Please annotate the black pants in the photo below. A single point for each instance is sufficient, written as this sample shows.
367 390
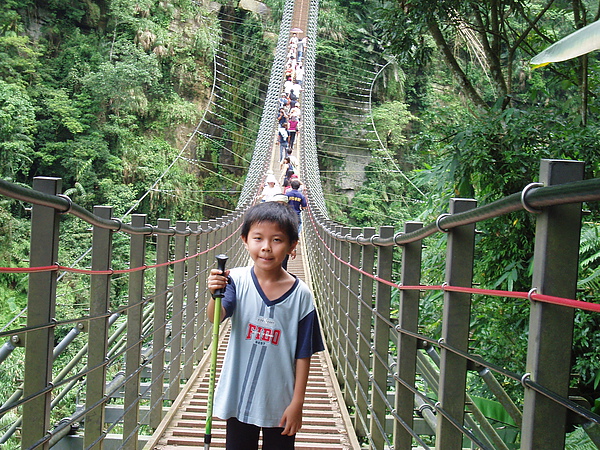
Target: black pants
292 135
243 436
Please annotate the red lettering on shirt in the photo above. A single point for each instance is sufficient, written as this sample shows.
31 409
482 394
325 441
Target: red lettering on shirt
266 336
276 335
263 334
251 328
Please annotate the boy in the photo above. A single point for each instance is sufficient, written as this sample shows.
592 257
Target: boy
274 332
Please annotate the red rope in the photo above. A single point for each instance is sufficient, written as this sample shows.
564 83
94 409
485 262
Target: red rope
29 269
491 292
57 267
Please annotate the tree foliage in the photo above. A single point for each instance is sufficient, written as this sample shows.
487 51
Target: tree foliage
485 120
17 128
106 95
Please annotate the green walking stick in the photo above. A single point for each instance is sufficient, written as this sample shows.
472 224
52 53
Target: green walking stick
218 295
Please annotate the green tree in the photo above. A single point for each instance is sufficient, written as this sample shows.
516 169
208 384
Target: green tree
17 128
124 83
19 60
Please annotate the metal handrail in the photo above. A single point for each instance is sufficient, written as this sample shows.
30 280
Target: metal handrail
538 198
64 205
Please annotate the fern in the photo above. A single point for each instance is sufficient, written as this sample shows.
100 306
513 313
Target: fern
579 440
589 255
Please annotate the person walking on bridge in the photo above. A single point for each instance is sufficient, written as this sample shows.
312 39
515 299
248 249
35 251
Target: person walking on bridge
274 333
271 188
292 131
296 200
283 138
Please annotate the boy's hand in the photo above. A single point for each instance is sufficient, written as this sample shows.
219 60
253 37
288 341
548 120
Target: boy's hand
291 419
217 280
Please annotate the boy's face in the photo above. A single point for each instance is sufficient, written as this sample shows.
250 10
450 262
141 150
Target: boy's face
268 245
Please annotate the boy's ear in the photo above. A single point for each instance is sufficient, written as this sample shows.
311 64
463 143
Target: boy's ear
292 247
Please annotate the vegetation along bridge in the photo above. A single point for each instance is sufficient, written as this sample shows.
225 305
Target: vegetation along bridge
137 375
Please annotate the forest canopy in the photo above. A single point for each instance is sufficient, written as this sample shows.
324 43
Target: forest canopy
478 120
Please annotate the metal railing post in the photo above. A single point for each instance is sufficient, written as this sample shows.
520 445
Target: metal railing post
220 236
365 316
210 264
230 230
41 304
191 314
556 259
203 265
338 332
313 248
135 308
455 328
381 341
328 290
98 329
408 319
344 302
352 319
238 245
177 318
157 393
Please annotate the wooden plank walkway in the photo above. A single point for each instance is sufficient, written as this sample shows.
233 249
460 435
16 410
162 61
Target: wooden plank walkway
327 424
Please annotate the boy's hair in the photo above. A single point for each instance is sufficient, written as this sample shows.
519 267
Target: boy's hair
295 184
278 213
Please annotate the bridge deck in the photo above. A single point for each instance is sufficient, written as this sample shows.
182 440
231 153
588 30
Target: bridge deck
326 421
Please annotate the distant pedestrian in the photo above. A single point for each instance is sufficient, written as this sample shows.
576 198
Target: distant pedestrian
299 75
284 100
294 93
288 85
297 200
271 189
302 43
292 131
295 112
282 117
294 162
288 171
283 138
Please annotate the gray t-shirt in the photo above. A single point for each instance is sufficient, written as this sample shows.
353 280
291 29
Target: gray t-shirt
258 376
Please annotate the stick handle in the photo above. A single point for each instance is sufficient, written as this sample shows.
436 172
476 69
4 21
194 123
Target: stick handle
221 260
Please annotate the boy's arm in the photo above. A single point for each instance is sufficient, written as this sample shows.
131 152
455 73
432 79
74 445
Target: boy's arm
292 416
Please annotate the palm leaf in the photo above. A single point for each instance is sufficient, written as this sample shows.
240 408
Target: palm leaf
582 41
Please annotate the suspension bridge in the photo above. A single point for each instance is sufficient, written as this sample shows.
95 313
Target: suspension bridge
139 374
